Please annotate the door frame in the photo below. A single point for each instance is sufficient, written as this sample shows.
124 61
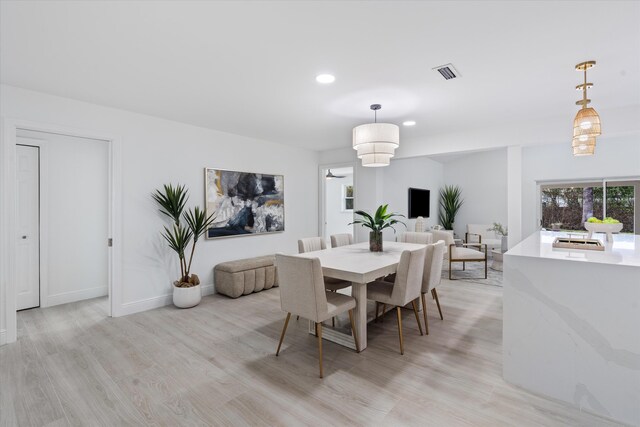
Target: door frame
43 215
8 211
322 191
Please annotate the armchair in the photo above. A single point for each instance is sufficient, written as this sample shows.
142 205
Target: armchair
479 233
463 253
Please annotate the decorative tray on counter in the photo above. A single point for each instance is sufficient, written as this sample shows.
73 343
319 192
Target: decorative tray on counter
578 243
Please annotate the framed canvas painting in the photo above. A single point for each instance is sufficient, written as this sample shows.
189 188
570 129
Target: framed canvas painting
244 203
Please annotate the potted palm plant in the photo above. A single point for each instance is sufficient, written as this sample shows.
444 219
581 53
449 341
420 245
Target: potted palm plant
378 222
187 227
450 203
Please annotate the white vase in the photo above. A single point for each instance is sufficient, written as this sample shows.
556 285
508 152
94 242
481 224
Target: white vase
420 224
187 297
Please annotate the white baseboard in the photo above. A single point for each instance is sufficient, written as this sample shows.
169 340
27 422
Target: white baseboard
3 337
67 297
155 302
207 289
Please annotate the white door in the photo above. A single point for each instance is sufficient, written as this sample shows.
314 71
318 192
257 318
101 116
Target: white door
28 247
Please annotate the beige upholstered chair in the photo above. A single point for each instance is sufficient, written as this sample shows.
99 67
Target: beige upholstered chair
302 293
343 239
463 253
415 237
432 277
405 289
481 233
311 244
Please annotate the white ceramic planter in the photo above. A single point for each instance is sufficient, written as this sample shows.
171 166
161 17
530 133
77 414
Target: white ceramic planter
187 297
594 227
504 244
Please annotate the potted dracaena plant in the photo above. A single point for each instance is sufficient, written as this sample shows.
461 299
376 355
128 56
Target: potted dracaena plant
450 203
376 223
187 227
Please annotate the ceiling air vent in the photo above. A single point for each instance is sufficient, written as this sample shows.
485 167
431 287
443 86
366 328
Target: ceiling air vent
447 71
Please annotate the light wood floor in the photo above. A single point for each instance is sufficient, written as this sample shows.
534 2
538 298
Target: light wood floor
215 365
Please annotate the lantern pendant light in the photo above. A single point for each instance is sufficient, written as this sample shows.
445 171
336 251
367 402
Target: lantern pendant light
376 142
586 125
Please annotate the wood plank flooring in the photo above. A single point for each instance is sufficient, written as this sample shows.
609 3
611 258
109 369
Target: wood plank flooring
215 364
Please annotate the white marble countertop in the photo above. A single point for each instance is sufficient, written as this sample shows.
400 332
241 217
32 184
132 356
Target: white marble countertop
624 250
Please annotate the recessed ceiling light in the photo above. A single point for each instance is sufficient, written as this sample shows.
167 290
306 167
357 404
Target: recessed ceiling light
409 123
325 78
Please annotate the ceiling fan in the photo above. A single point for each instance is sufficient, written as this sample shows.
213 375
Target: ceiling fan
331 175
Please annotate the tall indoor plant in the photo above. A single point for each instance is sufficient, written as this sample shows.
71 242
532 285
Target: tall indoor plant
450 203
187 227
376 223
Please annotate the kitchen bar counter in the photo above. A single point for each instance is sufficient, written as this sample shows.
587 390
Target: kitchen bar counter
571 323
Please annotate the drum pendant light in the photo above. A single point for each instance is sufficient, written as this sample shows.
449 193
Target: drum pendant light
376 142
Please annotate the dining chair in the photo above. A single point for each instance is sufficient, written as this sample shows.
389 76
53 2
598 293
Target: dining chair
423 238
432 277
406 288
302 293
343 239
311 244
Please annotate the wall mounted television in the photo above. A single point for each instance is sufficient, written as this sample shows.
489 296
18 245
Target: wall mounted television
419 202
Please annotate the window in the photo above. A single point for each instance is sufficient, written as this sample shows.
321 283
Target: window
347 197
568 206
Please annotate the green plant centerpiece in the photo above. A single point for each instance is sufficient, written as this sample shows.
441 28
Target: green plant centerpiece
188 225
376 223
450 203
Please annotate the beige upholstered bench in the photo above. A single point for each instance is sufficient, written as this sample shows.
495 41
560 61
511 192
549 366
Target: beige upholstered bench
245 276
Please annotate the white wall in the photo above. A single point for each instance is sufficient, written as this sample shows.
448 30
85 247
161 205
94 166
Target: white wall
76 184
337 219
419 172
619 157
482 176
390 184
157 151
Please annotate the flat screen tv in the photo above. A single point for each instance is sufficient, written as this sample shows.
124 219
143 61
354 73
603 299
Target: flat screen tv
419 202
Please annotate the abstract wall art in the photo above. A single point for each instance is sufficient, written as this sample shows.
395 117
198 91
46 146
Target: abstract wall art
244 203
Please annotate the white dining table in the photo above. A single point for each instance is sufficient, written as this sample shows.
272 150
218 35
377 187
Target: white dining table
356 264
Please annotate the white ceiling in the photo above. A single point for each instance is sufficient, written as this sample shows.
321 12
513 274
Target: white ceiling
249 67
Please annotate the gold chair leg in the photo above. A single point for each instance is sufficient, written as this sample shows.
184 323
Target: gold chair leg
284 329
435 296
400 329
449 268
319 334
353 330
424 313
415 311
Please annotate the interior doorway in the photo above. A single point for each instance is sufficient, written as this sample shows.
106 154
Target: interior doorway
28 239
337 200
63 219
